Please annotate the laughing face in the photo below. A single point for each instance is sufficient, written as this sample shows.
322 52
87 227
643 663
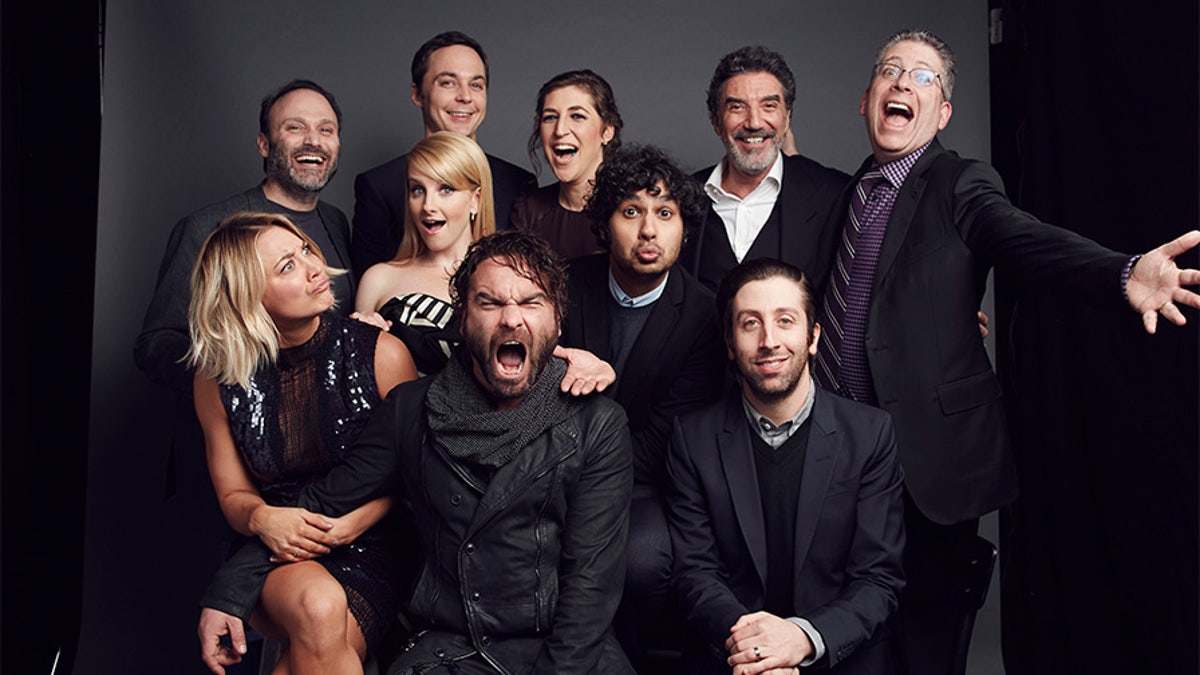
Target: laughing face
770 342
441 212
302 151
453 94
901 115
646 233
752 120
510 329
573 134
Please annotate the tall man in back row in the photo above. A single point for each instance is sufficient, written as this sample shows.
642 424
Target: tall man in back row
763 204
450 78
920 229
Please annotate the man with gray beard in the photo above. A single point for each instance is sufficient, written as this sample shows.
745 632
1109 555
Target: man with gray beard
764 204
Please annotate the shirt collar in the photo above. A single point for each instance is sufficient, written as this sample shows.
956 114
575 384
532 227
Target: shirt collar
712 186
896 171
772 434
623 299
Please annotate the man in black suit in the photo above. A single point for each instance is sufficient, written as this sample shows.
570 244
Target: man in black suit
922 227
640 311
450 78
764 204
786 507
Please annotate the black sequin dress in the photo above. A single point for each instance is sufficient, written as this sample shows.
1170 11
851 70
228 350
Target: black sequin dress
294 423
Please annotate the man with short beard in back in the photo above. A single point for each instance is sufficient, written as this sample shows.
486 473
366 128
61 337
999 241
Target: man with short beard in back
298 139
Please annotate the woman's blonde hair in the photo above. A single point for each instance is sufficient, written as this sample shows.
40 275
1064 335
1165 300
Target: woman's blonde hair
458 162
232 333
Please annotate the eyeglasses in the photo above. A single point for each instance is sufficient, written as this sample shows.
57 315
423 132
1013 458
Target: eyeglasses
922 77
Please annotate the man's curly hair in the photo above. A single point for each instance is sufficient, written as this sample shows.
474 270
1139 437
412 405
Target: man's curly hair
642 167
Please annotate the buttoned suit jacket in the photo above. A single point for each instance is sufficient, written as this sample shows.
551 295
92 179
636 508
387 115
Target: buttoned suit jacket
849 527
808 193
676 364
381 197
951 223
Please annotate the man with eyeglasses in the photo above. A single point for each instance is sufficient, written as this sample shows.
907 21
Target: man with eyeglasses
763 204
922 227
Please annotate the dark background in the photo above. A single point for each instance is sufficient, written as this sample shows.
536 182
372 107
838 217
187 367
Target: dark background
1091 117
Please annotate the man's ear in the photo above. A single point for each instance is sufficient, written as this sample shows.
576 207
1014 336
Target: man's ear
264 145
944 115
416 96
814 339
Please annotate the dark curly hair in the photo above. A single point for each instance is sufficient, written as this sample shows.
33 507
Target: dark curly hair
761 269
602 98
526 254
642 167
750 60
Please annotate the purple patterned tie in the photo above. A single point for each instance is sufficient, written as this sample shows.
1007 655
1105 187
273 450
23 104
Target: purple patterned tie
841 363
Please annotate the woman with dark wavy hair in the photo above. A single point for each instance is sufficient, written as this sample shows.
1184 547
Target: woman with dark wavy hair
576 126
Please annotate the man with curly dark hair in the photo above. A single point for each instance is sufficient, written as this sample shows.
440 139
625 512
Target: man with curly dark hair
639 310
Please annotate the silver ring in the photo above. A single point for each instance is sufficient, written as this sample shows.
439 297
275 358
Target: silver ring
757 654
1164 305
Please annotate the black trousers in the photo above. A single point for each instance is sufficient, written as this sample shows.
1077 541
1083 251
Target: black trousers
929 618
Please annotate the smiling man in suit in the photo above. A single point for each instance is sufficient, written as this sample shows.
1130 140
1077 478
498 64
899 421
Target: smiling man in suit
450 78
762 203
920 229
786 508
637 309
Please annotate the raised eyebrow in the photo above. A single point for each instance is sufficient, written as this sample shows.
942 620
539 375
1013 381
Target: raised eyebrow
284 258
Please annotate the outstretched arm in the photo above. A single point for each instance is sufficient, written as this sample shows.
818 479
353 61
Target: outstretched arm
1156 284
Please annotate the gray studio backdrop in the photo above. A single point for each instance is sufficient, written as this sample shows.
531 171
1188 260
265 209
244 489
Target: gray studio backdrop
182 84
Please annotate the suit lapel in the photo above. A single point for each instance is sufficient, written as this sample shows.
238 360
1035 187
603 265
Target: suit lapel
737 460
796 205
903 211
594 314
824 444
645 353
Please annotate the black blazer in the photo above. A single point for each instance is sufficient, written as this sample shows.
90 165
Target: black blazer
808 193
381 196
849 527
677 363
950 224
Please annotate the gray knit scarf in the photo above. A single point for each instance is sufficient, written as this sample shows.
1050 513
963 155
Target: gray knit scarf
464 420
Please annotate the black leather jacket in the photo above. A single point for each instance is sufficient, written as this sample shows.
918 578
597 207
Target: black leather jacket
526 567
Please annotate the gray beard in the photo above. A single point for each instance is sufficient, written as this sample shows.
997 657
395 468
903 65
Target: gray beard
745 164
